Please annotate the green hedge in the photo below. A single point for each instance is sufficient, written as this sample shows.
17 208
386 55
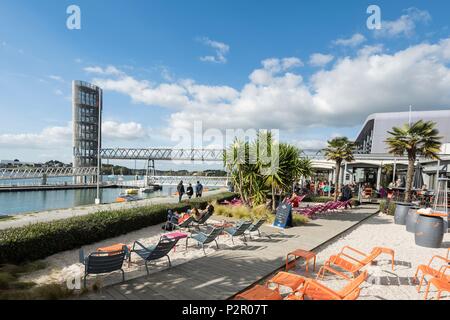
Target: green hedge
40 240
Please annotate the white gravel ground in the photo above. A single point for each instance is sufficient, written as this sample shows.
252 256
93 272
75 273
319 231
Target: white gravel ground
383 283
65 265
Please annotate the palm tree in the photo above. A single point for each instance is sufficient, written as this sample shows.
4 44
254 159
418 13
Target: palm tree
417 139
256 176
339 150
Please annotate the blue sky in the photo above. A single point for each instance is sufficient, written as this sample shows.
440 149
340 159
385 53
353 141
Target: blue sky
311 69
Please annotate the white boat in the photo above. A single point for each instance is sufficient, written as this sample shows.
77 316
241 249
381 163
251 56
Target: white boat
146 190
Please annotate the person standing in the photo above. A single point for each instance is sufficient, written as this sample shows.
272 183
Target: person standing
180 190
198 190
190 191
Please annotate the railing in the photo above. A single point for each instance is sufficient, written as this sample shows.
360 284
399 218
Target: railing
39 173
163 154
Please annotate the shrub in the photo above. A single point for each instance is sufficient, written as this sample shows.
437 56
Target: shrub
299 220
391 208
383 206
40 240
244 212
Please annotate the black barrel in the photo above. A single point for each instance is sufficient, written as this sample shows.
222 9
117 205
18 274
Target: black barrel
401 211
411 219
429 231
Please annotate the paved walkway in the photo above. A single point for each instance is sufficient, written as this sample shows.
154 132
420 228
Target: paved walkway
229 271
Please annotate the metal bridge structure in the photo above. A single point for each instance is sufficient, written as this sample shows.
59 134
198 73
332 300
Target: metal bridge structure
163 154
49 172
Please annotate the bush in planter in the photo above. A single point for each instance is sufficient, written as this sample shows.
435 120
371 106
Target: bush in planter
391 208
383 206
40 240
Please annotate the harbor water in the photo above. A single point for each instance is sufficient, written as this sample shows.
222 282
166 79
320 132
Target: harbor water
19 202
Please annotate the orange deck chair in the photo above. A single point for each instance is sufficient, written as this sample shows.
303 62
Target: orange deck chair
429 270
442 284
352 264
316 291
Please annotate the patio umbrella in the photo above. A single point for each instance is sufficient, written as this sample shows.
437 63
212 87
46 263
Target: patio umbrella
418 178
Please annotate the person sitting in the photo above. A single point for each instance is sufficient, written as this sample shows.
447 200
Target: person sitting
196 214
172 218
295 200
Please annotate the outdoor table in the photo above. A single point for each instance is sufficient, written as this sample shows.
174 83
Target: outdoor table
287 280
259 292
176 235
114 248
299 253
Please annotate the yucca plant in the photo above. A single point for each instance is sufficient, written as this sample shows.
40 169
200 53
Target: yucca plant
339 150
418 139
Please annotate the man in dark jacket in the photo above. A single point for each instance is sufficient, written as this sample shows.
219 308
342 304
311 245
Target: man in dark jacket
198 190
180 190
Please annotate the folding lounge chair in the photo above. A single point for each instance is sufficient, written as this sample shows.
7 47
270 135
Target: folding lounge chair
239 230
148 254
186 224
256 226
316 291
203 238
351 264
103 262
429 270
203 220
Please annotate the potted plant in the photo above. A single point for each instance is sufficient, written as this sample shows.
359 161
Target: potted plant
417 139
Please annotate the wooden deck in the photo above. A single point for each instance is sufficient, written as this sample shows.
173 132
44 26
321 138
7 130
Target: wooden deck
222 275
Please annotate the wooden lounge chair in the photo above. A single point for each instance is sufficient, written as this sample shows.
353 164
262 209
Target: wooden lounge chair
429 270
442 284
103 262
239 230
148 254
351 264
314 290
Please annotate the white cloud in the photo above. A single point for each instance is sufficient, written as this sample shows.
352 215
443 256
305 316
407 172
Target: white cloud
276 97
354 41
314 144
48 138
61 136
58 92
320 60
123 131
109 70
405 25
56 78
221 50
